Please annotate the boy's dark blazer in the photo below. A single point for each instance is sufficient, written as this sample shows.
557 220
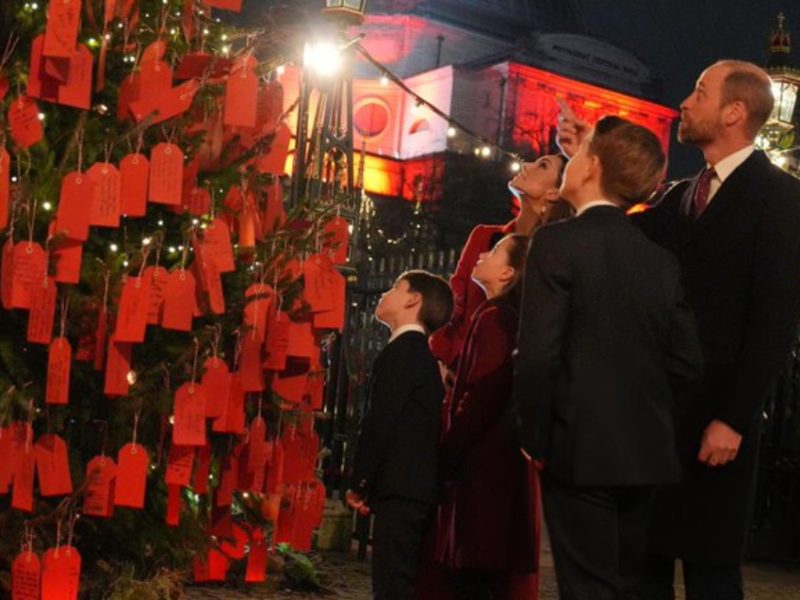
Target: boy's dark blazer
604 338
398 446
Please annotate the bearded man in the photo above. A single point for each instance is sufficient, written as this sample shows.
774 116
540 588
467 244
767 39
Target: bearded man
735 228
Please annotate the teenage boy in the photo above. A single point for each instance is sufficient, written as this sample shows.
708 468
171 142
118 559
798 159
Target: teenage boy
604 338
395 472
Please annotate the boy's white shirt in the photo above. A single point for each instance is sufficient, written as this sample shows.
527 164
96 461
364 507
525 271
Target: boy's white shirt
404 329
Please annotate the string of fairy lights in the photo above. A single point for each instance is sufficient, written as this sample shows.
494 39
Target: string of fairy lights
485 148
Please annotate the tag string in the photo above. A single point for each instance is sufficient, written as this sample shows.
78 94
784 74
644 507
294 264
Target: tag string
135 428
32 222
79 141
64 309
194 364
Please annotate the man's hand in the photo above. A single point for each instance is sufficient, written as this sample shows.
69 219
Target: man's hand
571 130
356 502
720 444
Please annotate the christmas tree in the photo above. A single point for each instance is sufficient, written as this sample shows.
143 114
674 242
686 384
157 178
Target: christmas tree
162 314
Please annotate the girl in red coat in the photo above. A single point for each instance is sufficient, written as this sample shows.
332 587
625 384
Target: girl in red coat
487 529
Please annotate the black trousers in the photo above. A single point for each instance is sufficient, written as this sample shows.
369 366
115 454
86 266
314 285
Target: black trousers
474 584
702 582
598 537
396 542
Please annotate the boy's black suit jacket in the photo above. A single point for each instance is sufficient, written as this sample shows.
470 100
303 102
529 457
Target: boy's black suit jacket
398 446
604 339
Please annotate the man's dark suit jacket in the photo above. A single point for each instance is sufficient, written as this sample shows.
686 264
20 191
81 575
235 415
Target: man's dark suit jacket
741 272
604 337
398 446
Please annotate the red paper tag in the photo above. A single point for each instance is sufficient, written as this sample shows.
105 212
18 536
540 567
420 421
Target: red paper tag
66 256
134 171
22 496
179 465
216 293
166 174
232 5
179 301
61 571
59 362
337 234
290 387
166 105
241 93
118 366
29 271
236 547
217 246
7 275
274 161
134 303
251 371
301 340
277 342
216 382
4 86
158 277
316 278
23 118
5 186
232 420
101 474
77 91
174 502
274 214
72 220
199 202
131 481
128 93
334 318
42 312
26 571
105 181
190 416
52 466
61 34
256 311
201 473
256 571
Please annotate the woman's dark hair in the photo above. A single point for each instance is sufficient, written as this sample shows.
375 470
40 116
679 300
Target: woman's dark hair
632 158
517 249
437 297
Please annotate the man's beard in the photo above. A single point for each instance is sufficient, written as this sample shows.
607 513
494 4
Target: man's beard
698 132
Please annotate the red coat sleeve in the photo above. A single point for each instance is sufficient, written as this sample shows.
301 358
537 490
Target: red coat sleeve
446 343
485 396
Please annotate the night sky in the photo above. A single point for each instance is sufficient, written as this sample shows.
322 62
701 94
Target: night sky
679 38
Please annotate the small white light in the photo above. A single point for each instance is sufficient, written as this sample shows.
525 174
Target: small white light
226 50
451 131
245 495
172 419
350 228
172 250
146 241
160 223
203 225
34 6
224 37
47 206
113 247
173 31
131 377
107 36
515 167
486 151
384 80
180 248
280 70
13 179
125 263
195 221
41 116
206 32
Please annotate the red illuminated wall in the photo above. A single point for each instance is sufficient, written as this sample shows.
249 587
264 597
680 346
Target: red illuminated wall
533 111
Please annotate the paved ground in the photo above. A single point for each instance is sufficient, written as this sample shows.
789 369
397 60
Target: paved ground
348 579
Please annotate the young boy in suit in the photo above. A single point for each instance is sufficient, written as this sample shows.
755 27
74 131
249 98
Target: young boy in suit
395 473
605 338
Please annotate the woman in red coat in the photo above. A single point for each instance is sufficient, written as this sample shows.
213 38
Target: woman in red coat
487 529
535 188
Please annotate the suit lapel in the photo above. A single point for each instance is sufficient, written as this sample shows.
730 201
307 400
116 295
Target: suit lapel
730 191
